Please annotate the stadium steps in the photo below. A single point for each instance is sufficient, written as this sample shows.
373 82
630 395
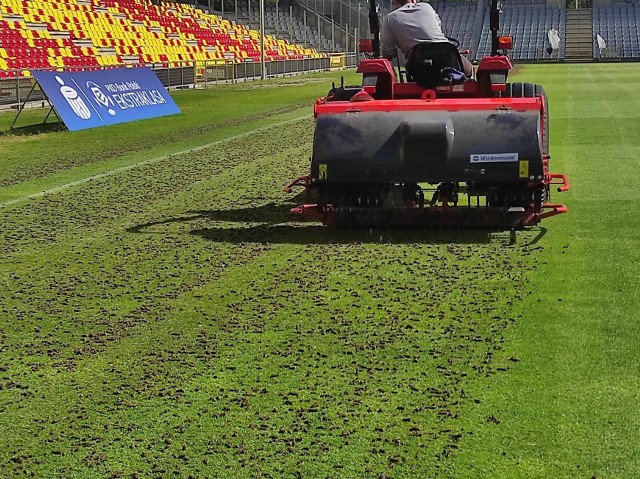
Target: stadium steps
579 36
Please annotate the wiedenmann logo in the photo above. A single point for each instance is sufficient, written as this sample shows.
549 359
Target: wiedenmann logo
495 158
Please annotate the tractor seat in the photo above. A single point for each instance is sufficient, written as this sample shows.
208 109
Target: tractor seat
427 60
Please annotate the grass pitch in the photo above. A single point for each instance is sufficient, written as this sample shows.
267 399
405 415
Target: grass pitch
162 316
569 407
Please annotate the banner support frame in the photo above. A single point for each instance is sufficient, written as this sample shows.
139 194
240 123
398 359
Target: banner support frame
22 105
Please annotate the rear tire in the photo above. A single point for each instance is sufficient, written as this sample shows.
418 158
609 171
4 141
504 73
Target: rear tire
539 92
530 90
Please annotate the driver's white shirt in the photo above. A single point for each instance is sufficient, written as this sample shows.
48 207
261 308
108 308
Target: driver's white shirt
409 25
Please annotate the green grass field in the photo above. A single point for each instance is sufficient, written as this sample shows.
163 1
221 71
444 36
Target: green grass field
163 316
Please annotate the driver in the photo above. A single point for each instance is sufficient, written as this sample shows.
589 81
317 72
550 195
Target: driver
410 23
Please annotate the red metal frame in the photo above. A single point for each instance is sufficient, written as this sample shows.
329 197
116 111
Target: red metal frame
303 180
483 216
459 104
553 209
494 63
513 218
565 181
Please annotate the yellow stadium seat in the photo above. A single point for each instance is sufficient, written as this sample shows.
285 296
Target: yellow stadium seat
183 22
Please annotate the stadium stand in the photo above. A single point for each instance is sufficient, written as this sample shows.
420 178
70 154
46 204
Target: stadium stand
457 20
617 24
528 22
80 34
281 22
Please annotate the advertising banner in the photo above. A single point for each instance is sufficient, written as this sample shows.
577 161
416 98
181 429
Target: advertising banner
88 99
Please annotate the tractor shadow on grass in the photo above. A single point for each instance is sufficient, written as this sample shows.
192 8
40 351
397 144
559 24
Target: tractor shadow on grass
273 223
317 234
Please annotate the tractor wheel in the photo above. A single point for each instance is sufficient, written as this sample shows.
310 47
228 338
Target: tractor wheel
529 90
521 90
539 91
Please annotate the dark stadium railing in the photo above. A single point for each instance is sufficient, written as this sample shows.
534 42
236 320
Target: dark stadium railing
17 90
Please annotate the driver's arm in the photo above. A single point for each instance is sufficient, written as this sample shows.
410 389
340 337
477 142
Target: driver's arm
387 44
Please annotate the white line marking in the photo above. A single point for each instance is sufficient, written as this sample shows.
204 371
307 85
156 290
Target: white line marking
145 162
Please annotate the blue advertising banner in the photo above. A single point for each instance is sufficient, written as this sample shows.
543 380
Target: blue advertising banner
89 99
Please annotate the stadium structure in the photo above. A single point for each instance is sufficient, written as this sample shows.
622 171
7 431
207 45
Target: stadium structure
221 40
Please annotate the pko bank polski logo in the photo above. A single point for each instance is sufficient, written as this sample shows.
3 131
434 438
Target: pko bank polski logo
112 97
119 96
101 98
93 98
129 95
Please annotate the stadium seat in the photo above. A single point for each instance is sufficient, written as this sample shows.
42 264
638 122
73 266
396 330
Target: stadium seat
527 21
618 25
133 27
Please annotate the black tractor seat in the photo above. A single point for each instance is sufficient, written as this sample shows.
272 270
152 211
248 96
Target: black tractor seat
427 60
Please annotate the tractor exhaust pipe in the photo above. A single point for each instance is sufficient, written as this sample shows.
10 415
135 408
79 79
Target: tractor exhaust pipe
374 28
494 25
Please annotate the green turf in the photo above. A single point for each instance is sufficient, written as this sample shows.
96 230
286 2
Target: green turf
208 115
569 407
170 320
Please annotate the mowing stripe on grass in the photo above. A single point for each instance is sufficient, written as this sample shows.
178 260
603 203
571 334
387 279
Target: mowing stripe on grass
122 169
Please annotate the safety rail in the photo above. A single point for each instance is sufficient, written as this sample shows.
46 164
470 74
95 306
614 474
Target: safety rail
16 85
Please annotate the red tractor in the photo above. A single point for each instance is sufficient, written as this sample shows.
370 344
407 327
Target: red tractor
432 151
